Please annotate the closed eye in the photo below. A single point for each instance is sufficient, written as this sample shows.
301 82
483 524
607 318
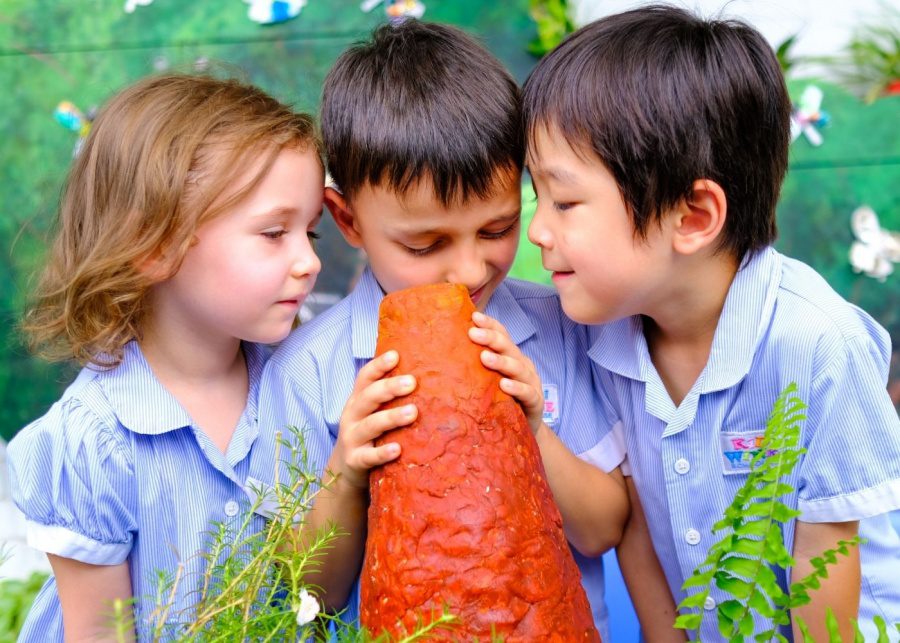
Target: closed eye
501 233
418 252
274 233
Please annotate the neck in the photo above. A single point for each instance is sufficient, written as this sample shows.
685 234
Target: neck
205 372
189 361
681 329
179 352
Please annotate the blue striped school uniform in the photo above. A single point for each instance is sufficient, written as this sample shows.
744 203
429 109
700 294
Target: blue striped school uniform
117 471
781 323
309 379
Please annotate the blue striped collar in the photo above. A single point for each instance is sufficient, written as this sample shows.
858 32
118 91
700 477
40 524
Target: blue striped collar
143 405
367 295
620 346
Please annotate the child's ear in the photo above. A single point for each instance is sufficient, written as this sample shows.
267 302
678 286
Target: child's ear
157 266
343 216
700 218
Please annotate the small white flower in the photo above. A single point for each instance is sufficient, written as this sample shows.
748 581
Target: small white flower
307 608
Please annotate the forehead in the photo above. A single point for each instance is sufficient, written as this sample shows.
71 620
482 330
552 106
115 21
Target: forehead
420 208
548 146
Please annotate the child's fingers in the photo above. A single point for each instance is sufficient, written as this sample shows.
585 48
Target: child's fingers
377 423
497 341
368 457
365 402
376 369
531 399
524 393
511 367
488 323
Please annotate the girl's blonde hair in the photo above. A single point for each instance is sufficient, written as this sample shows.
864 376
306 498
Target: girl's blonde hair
154 167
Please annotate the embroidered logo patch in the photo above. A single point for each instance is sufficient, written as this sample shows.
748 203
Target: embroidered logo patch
551 404
739 449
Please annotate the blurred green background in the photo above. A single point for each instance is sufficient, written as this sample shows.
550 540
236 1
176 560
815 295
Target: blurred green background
84 50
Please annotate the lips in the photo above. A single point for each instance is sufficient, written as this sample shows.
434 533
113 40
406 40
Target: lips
559 275
293 301
476 294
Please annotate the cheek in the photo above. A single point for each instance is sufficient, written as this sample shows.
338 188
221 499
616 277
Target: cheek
504 252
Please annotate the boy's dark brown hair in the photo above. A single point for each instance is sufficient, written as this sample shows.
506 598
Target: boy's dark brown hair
421 101
664 98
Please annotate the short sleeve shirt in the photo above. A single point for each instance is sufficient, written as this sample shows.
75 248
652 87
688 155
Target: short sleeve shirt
117 471
781 323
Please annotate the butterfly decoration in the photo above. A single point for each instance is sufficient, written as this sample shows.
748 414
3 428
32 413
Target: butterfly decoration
271 12
396 9
807 116
131 5
72 118
875 250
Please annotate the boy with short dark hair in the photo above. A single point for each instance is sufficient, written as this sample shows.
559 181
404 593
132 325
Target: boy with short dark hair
657 145
422 130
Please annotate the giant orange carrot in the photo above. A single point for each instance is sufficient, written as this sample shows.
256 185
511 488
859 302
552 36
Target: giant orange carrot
464 518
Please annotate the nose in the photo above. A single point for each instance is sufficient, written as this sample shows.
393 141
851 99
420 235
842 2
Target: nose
306 261
538 233
468 267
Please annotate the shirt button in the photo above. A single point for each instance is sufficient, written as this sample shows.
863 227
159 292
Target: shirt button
231 508
709 603
692 537
682 466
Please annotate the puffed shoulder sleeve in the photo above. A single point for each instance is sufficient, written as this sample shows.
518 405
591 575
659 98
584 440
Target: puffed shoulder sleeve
852 465
72 477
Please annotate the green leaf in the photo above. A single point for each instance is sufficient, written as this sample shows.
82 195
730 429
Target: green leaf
726 625
694 600
882 629
783 513
831 624
688 621
741 566
699 580
734 586
748 547
805 635
759 603
732 609
754 528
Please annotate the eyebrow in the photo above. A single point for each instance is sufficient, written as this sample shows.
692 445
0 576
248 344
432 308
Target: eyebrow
555 173
277 211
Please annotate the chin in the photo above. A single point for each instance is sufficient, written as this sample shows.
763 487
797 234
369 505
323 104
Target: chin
580 314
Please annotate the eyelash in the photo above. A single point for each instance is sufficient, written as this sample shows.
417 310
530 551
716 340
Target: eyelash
562 207
277 234
490 236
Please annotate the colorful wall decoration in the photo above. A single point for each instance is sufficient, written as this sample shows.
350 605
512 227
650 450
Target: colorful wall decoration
59 61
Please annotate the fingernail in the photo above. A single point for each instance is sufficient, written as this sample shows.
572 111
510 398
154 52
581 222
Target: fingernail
477 333
488 357
408 411
391 356
477 316
407 381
